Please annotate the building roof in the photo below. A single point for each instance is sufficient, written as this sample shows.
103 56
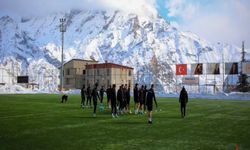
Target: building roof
106 65
78 60
81 60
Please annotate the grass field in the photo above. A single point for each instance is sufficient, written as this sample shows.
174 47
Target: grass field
41 122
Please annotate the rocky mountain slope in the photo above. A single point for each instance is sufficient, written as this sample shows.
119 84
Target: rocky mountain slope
149 44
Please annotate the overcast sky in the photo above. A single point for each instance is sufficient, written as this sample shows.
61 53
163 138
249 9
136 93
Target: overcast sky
214 20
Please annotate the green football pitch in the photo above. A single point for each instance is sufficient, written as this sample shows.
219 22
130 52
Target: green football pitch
40 121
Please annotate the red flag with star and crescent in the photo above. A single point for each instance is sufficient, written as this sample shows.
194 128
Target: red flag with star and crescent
181 69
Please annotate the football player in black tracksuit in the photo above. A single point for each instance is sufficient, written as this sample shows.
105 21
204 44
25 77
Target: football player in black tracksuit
95 96
183 100
101 98
128 99
150 98
136 100
144 97
141 99
101 94
124 99
108 91
120 98
88 96
113 101
83 92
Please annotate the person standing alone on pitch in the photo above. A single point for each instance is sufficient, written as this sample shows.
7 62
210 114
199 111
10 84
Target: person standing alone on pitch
150 98
95 96
183 100
83 92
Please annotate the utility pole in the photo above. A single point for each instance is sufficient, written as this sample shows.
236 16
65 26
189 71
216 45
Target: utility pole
243 57
62 30
243 52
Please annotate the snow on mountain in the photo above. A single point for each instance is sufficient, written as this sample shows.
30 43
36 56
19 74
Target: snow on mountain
31 46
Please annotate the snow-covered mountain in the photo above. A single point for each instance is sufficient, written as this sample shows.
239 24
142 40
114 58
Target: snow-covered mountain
148 43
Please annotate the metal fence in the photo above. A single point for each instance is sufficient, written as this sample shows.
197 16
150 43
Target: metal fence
48 79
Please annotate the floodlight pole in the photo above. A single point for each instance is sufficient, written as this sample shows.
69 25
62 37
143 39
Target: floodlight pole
223 65
62 30
199 52
243 56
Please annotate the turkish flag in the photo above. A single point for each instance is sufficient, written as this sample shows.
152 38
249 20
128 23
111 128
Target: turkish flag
181 69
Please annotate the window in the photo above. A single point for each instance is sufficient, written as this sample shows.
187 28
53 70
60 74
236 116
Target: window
83 72
98 72
108 82
129 73
67 80
108 72
68 72
129 82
